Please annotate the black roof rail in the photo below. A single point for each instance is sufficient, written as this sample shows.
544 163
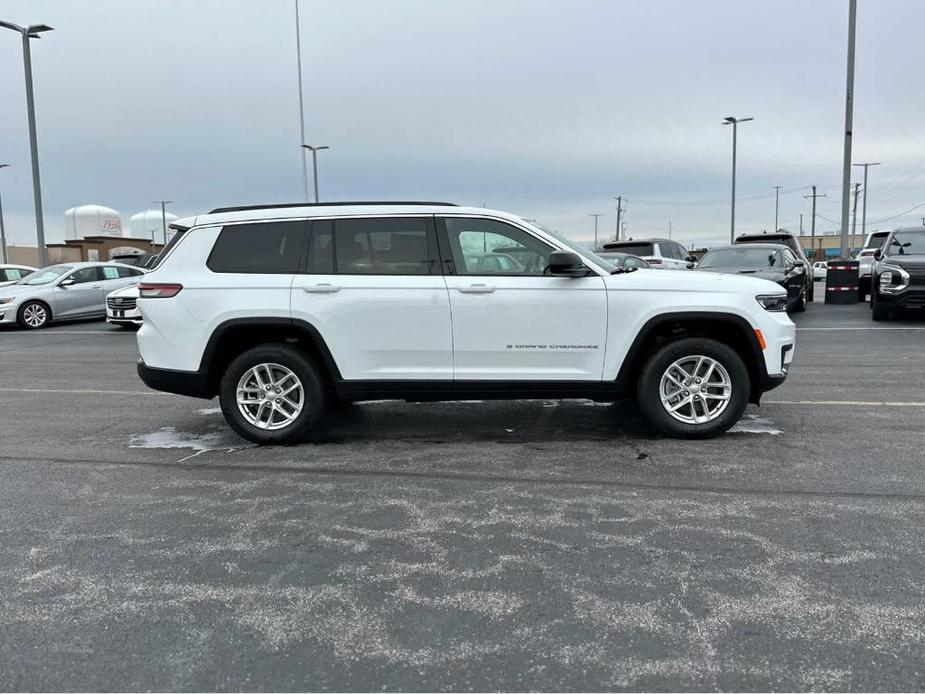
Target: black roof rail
340 203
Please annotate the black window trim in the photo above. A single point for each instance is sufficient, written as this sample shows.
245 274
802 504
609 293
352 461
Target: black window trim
430 237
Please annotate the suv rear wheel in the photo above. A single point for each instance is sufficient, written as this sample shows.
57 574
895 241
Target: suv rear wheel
694 388
272 394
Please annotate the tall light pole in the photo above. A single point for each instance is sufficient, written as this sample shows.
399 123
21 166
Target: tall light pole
298 57
163 204
864 213
776 205
619 200
3 258
33 31
596 216
314 149
734 122
849 119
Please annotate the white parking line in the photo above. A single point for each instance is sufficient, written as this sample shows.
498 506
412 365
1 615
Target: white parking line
897 327
81 391
848 403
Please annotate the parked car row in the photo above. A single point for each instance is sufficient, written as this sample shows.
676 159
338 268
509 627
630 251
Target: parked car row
66 291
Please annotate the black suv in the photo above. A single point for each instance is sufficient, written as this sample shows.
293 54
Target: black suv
898 279
790 241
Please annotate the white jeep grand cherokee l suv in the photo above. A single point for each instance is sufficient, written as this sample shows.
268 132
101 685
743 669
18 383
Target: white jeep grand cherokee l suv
281 310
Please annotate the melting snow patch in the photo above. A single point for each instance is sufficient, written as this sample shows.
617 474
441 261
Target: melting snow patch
168 437
753 424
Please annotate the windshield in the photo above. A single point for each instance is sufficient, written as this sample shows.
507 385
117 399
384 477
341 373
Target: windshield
580 250
46 276
758 258
907 243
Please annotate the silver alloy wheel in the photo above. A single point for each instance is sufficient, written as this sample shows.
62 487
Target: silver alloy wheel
270 396
695 389
35 315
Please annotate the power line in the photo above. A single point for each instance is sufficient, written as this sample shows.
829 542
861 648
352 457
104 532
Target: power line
761 196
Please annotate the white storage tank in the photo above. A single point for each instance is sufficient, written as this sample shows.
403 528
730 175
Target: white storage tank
149 224
91 220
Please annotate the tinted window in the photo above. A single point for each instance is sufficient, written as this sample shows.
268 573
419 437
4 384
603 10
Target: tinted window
128 272
489 247
635 262
321 248
386 246
634 248
264 248
85 274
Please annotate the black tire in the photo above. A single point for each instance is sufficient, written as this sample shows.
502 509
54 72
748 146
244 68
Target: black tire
879 312
314 400
35 308
648 393
812 291
799 306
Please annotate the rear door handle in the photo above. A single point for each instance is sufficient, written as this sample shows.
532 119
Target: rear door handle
477 289
321 288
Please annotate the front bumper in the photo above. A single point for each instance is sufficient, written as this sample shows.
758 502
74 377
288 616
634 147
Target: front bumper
131 316
911 297
8 313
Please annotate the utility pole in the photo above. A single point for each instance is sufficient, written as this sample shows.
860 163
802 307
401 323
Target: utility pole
163 204
3 258
596 216
854 223
619 200
812 243
669 230
298 57
801 223
849 119
776 205
734 122
864 213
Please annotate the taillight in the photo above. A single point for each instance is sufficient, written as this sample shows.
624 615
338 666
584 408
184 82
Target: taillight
158 291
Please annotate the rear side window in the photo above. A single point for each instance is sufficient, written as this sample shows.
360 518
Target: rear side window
128 272
262 248
385 246
110 273
634 249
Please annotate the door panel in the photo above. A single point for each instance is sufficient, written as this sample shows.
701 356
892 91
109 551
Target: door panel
85 297
372 290
510 320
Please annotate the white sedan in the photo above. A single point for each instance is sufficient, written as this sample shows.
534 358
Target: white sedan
122 308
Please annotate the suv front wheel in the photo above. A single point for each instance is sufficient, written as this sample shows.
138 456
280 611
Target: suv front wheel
694 388
272 394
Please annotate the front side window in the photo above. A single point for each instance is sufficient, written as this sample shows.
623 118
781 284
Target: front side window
258 248
490 247
377 246
85 274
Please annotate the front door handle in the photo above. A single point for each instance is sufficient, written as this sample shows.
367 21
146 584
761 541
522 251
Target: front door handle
321 288
97 286
477 289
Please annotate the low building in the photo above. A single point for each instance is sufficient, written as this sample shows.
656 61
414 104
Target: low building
826 245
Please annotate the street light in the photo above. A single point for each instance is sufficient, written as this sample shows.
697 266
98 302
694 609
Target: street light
33 31
3 258
314 149
734 122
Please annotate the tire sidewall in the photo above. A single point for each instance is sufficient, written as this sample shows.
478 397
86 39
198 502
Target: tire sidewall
20 317
303 368
650 379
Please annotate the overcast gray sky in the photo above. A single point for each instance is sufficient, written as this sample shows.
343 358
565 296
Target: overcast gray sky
548 108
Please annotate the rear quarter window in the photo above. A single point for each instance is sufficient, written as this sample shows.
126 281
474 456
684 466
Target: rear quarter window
258 248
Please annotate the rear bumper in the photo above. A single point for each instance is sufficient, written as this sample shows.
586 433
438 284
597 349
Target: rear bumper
190 383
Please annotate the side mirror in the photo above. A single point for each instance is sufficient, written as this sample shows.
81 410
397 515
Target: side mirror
877 254
66 283
691 259
566 264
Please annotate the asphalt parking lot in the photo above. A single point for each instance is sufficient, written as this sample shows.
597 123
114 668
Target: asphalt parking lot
472 546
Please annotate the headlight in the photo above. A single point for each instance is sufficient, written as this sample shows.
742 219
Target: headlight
6 300
892 279
772 302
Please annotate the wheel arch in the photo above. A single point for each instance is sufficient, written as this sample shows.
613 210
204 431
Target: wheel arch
36 300
237 335
728 328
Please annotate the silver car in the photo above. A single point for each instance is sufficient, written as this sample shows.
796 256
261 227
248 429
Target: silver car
63 292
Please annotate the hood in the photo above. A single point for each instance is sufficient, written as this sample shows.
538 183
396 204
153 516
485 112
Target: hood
131 291
907 262
709 282
23 289
765 274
